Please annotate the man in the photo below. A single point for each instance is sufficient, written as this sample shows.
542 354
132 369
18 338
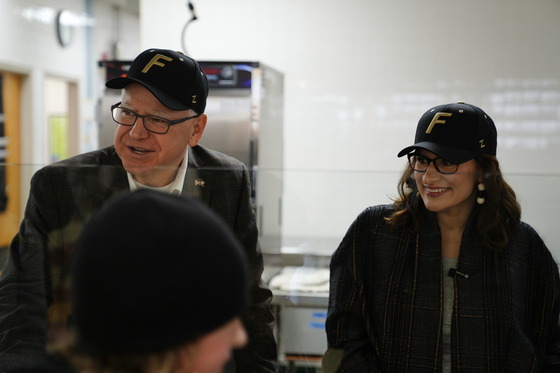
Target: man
160 122
159 303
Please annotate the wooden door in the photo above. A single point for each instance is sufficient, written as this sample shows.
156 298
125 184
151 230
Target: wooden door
10 215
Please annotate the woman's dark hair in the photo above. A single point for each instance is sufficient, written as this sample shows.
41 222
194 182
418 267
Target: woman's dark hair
495 220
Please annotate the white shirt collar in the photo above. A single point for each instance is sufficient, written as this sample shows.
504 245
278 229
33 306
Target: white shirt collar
175 187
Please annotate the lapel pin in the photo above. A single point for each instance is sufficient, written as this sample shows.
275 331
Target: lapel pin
199 182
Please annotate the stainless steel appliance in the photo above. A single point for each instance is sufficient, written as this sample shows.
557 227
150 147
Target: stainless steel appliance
245 110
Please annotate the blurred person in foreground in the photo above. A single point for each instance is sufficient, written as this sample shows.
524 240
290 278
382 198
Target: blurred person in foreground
447 278
148 294
159 122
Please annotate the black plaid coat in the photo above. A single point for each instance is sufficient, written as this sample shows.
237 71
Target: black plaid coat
386 302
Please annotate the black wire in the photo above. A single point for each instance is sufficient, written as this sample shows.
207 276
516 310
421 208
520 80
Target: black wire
193 18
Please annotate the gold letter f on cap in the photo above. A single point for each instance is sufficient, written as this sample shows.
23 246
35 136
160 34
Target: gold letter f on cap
155 61
436 120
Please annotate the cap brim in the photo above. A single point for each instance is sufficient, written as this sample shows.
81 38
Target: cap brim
450 154
167 100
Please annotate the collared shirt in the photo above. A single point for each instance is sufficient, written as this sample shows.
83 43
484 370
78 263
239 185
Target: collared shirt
175 187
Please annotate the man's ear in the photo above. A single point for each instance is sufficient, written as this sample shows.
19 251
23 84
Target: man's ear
200 124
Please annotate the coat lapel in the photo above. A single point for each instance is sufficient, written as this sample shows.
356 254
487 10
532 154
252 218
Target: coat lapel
198 182
113 178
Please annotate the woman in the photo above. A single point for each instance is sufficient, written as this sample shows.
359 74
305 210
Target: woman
447 278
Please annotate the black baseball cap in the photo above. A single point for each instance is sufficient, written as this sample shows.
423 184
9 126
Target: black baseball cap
175 79
456 132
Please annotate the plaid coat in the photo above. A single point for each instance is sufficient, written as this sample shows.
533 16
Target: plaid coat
386 302
34 285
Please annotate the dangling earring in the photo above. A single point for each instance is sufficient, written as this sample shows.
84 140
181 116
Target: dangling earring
408 189
480 198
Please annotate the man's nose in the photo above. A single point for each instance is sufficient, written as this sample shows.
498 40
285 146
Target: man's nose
138 130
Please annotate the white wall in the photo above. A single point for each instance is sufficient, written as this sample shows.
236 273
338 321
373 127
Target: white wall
358 75
29 47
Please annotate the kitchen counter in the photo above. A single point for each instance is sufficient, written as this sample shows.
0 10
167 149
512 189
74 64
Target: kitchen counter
299 298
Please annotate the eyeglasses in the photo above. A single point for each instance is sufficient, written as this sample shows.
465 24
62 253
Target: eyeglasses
420 164
152 123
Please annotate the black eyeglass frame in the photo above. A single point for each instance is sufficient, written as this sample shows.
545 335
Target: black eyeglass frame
433 161
170 122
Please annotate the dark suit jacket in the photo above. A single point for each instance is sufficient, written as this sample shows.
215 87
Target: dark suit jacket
34 285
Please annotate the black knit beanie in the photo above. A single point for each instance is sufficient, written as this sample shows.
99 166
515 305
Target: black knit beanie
153 271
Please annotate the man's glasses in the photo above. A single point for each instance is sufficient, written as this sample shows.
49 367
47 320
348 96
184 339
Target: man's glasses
152 123
420 164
